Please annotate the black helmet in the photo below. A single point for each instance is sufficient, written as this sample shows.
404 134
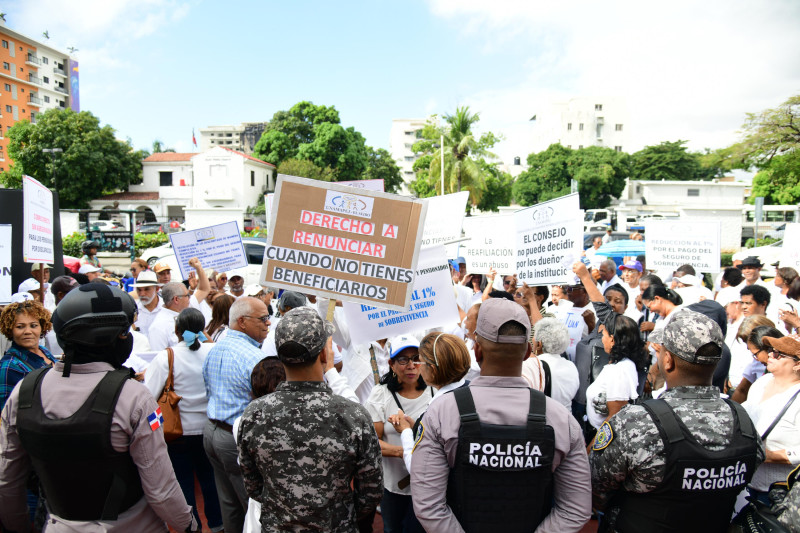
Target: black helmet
88 323
86 245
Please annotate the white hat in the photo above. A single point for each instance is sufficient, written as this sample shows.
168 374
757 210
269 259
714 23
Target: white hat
21 297
29 284
146 278
252 290
236 272
728 295
87 269
689 280
37 266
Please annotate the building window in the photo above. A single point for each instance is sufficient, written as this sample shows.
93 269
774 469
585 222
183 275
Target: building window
6 66
569 146
618 127
46 79
8 109
618 148
46 99
580 126
599 129
7 87
598 107
569 126
252 178
580 147
5 44
165 179
692 192
45 61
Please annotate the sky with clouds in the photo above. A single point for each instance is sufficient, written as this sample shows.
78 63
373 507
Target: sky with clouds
155 69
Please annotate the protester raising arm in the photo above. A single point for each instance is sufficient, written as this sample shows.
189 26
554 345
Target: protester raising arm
202 286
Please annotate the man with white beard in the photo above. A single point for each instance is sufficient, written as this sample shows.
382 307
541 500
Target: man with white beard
149 304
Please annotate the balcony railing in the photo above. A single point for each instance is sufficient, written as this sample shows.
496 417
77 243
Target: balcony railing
34 79
59 71
33 100
33 59
61 89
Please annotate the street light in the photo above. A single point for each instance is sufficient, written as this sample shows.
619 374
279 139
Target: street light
53 152
442 158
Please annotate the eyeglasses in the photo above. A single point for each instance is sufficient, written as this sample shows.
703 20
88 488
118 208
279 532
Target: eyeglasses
755 354
404 361
506 282
576 288
263 319
780 355
519 295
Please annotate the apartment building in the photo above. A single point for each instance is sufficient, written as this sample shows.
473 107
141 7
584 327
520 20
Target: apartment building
404 133
580 123
242 138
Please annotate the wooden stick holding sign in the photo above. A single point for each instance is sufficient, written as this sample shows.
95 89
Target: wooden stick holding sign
38 275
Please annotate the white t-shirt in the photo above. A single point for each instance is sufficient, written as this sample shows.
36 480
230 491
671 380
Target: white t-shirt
201 306
162 331
189 384
618 381
380 405
564 379
144 317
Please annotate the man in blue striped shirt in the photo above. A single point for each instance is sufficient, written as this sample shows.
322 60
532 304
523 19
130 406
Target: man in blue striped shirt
226 372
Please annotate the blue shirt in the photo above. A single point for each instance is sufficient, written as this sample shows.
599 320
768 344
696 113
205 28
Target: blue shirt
226 371
15 365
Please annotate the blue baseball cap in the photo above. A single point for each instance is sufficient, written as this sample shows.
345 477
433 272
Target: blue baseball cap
402 342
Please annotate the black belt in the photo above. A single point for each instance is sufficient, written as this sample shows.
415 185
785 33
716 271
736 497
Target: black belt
222 425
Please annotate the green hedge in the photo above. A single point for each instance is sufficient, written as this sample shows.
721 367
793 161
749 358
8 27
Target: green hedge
143 241
72 244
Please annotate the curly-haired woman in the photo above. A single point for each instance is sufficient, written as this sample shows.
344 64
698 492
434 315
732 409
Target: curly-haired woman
26 324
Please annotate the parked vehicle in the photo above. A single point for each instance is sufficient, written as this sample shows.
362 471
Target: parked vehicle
253 249
588 237
776 233
151 255
151 227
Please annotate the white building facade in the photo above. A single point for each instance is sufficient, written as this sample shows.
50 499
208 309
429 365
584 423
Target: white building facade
242 138
580 123
200 189
404 133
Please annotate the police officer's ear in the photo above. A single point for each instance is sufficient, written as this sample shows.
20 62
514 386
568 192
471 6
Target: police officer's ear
478 353
666 361
528 350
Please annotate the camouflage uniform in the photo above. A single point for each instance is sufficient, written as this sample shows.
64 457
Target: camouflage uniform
302 446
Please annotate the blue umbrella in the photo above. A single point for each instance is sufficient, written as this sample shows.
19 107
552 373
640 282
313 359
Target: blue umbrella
621 248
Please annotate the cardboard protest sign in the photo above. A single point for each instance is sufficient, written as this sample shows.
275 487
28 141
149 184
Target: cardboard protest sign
218 247
790 257
433 304
491 245
336 242
6 289
444 218
672 243
546 233
38 222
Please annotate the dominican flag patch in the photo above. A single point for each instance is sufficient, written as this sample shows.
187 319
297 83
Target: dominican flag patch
156 419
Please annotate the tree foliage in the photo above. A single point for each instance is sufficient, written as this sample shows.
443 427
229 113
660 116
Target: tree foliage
779 182
381 166
314 133
306 169
669 161
498 187
93 161
600 173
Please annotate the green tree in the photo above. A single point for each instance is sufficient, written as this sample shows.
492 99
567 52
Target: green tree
667 161
498 187
274 147
382 166
158 147
289 129
306 169
341 149
93 161
779 181
600 173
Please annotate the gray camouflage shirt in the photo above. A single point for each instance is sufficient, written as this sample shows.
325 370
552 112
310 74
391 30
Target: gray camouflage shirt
299 448
635 460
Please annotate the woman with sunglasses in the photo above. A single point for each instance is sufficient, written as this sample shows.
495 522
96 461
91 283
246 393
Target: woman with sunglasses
755 365
402 387
773 406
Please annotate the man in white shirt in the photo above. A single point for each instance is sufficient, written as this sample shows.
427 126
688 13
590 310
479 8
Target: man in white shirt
751 271
236 284
580 318
149 303
597 242
631 274
162 331
164 273
608 273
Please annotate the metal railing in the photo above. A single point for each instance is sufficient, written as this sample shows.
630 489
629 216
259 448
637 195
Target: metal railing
61 89
33 78
34 100
59 71
33 58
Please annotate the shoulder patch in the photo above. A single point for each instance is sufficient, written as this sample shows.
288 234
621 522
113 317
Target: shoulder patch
603 438
421 431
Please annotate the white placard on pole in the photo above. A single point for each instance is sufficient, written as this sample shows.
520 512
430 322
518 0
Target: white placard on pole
219 247
790 257
672 243
491 245
6 290
433 304
444 218
546 233
37 239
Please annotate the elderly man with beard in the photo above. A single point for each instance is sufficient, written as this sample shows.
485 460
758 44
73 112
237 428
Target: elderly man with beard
149 304
236 284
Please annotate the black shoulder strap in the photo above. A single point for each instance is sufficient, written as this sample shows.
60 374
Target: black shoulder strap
466 409
536 410
109 390
743 420
547 380
30 383
397 401
780 415
666 420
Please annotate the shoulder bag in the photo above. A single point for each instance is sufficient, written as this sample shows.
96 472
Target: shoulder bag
168 402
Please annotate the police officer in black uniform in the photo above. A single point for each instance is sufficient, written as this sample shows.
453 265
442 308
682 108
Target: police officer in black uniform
499 456
92 435
676 463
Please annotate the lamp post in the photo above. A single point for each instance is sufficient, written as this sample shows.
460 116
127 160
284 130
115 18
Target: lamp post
442 158
53 152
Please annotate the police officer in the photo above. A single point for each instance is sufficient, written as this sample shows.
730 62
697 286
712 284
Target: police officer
92 435
676 463
498 455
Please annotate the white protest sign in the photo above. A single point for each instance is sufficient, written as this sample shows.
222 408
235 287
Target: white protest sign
37 239
491 244
218 247
6 289
672 243
369 185
545 234
343 243
790 257
433 304
573 319
268 199
444 218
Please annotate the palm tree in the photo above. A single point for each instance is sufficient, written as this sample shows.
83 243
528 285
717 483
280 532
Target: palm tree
460 170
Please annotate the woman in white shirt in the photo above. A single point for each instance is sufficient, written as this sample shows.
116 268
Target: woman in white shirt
765 404
186 452
551 339
401 388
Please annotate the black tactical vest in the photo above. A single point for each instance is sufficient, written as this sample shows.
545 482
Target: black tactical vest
699 487
502 477
83 477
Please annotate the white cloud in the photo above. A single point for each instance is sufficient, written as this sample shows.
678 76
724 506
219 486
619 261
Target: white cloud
686 70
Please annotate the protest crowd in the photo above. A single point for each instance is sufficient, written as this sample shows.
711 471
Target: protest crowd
643 400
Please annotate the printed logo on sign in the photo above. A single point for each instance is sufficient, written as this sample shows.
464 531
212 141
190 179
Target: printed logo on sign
715 478
543 214
348 204
206 234
505 456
